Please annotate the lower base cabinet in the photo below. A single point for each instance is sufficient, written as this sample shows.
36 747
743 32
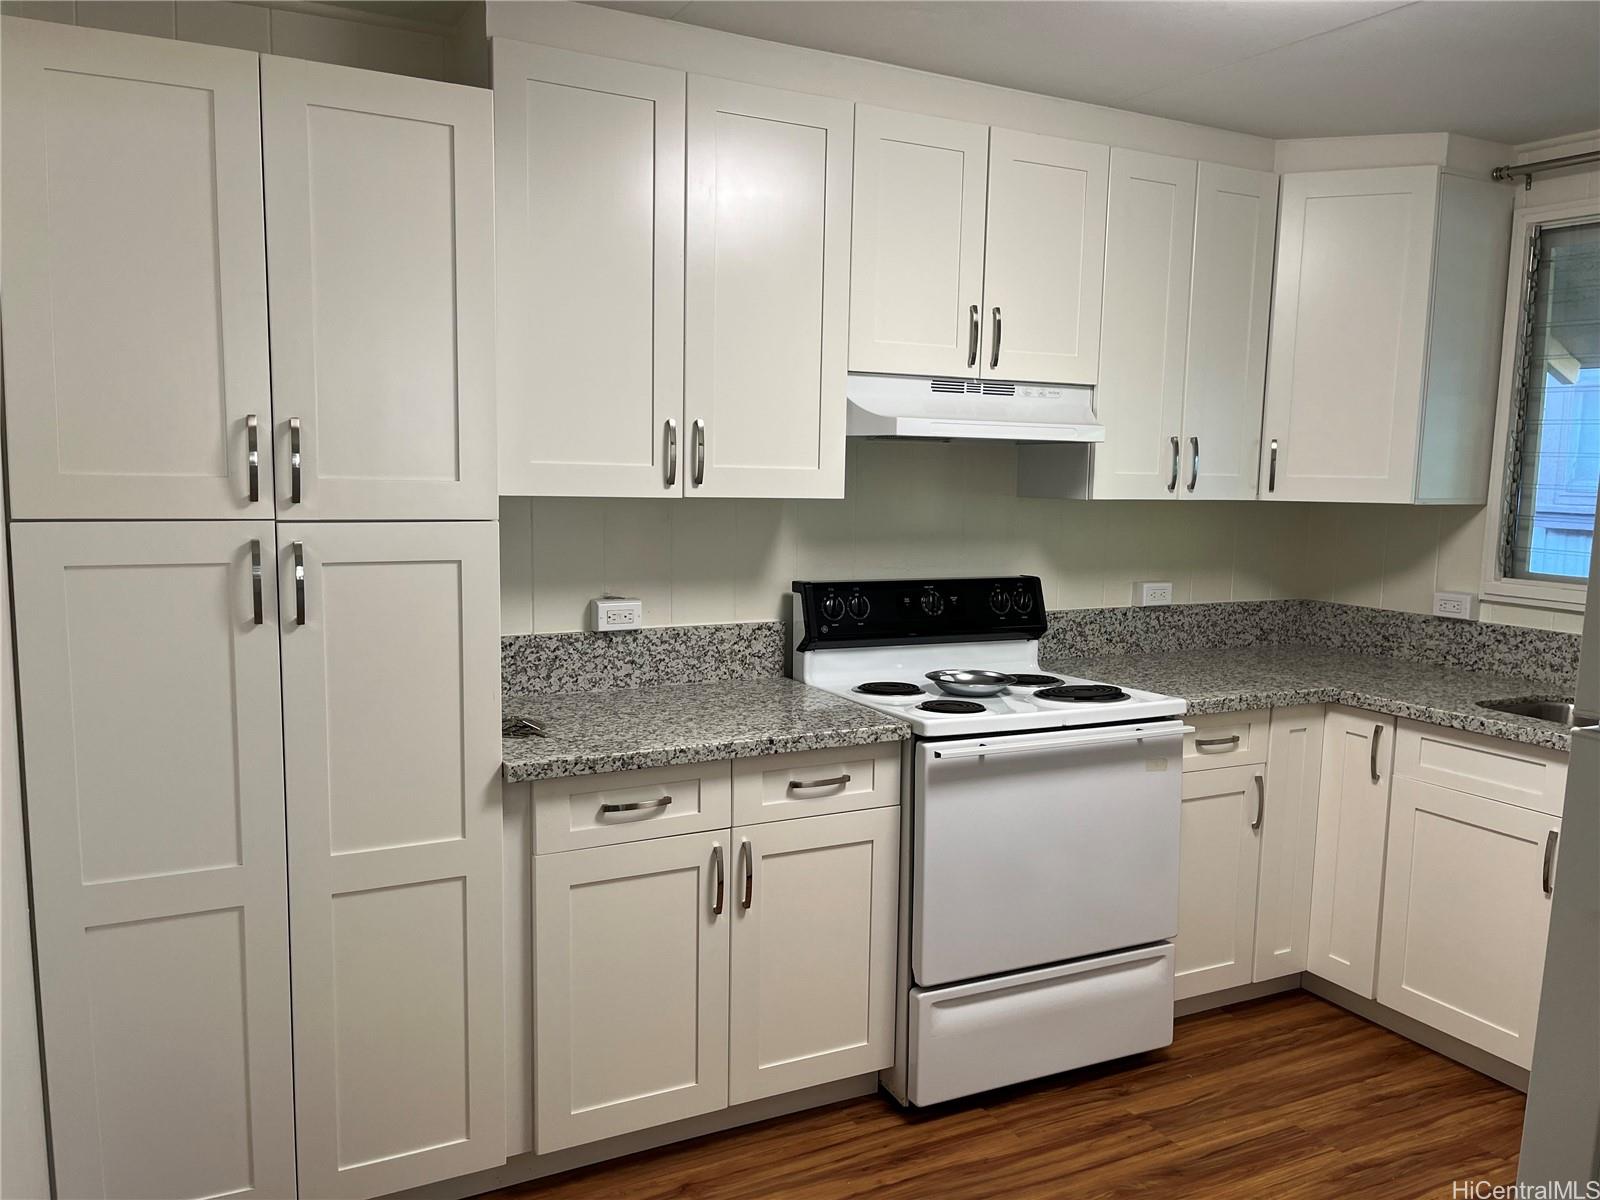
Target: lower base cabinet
1219 859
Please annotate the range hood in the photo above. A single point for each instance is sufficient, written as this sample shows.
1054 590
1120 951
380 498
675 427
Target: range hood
885 406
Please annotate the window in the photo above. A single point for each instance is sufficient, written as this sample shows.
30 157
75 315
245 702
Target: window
1553 469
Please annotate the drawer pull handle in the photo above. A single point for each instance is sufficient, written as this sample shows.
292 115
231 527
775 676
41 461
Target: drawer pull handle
1203 743
1261 803
637 805
716 865
747 863
1377 735
1550 861
798 785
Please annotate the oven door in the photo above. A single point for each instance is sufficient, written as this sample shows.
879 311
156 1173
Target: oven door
1037 848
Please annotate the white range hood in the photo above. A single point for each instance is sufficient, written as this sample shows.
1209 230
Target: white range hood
913 407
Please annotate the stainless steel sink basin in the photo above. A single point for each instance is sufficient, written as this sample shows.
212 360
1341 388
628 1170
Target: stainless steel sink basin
1556 711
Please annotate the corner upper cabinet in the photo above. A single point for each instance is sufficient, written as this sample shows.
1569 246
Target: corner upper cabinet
136 322
380 254
1384 351
589 202
766 290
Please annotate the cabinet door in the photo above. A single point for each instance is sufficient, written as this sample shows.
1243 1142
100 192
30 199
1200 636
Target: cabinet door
813 972
631 986
916 257
1236 218
1466 909
1352 823
136 319
1144 326
153 754
1219 852
380 250
589 246
1044 258
767 298
391 693
1288 841
1346 358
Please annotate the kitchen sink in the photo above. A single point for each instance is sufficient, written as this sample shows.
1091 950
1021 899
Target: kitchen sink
1555 710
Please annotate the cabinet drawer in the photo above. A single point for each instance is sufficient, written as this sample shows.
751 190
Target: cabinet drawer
812 783
629 806
1527 776
1226 740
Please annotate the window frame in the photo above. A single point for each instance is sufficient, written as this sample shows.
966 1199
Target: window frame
1494 586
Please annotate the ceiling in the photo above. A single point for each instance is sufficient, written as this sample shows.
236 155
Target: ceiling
1505 70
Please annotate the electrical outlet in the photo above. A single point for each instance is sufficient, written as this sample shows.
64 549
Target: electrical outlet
608 613
1463 606
1149 595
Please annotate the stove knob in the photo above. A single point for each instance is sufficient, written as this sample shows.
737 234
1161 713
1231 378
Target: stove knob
859 606
1000 600
1022 601
832 607
932 602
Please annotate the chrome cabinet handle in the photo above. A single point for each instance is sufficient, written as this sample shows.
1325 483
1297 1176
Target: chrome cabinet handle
299 549
672 450
697 469
252 457
637 805
1261 802
1377 735
1550 860
1194 462
255 581
972 336
994 349
1202 743
1272 467
294 462
747 865
1172 481
796 785
716 866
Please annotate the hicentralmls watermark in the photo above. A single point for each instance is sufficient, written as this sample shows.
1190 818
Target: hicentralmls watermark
1483 1189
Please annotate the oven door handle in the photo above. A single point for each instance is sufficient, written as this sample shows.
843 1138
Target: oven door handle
1018 746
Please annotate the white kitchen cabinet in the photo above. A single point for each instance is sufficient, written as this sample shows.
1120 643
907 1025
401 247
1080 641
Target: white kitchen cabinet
391 693
1384 351
1044 258
1466 909
631 986
154 759
1352 824
813 961
916 260
380 256
589 169
766 293
1219 856
136 326
1288 840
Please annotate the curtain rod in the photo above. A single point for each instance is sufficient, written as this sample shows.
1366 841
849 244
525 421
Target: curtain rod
1528 170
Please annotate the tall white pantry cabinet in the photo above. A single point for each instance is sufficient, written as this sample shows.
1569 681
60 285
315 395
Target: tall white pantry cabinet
257 614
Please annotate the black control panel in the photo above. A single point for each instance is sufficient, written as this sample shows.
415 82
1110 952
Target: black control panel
886 612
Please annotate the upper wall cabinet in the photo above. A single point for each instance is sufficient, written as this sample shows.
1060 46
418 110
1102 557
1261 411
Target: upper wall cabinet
380 245
1384 352
136 324
978 251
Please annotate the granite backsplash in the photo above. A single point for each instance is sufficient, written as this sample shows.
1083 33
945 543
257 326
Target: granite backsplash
654 657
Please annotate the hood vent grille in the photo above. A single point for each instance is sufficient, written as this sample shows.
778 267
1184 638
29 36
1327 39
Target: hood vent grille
974 387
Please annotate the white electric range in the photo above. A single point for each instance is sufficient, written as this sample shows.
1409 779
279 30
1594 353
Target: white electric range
1041 851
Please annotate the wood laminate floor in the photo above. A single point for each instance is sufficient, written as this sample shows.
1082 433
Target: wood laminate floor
1277 1098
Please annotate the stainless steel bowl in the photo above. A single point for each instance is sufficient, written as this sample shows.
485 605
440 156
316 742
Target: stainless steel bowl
1558 710
972 683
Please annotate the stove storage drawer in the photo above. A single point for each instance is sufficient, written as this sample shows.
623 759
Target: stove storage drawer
630 806
1226 740
814 783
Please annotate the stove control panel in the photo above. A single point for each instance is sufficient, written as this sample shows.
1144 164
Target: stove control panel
886 612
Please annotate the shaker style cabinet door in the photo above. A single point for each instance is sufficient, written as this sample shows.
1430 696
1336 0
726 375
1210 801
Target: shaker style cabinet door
1288 840
136 321
589 251
1044 259
380 253
767 291
1144 327
916 258
391 691
1219 857
148 662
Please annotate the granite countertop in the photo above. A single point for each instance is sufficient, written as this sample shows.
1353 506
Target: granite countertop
593 732
1237 679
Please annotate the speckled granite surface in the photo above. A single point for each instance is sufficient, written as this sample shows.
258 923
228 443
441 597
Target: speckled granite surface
654 657
594 732
1234 679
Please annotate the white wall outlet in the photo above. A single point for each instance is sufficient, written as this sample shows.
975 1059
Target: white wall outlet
1148 595
1463 606
610 613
